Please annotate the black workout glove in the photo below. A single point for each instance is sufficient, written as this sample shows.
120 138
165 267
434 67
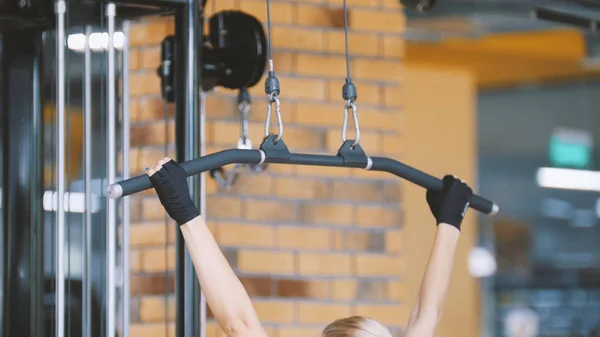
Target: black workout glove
450 204
171 186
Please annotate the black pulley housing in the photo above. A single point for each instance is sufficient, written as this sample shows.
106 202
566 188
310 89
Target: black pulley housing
418 5
234 54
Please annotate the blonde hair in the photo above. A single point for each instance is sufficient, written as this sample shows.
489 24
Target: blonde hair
355 326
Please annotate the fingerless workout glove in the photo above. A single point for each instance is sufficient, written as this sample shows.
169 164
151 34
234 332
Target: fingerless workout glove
170 183
450 204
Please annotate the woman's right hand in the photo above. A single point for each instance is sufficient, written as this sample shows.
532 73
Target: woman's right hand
170 183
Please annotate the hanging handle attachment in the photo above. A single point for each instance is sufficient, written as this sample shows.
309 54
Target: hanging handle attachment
227 178
244 107
272 90
349 94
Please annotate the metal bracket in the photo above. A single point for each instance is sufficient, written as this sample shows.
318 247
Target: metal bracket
166 70
353 154
275 149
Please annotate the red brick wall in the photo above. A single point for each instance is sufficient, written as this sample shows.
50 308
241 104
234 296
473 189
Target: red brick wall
310 244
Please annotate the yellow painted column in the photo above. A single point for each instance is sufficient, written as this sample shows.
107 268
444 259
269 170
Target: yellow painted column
440 134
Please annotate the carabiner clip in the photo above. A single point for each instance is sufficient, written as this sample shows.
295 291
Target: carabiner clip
350 105
274 99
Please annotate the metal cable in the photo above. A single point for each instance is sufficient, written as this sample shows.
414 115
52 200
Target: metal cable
346 38
166 221
270 40
349 92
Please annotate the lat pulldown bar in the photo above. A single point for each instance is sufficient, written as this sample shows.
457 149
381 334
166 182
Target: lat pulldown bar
278 153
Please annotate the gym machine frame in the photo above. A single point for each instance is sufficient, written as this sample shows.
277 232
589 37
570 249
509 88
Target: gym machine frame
34 17
189 312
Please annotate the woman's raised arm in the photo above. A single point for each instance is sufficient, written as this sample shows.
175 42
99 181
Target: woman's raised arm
224 292
448 207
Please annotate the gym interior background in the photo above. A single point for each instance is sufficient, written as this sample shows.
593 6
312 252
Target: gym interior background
480 89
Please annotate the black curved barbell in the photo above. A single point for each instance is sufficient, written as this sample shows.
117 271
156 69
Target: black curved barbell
277 153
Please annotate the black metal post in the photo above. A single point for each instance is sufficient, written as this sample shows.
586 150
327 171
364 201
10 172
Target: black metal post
22 178
2 245
188 32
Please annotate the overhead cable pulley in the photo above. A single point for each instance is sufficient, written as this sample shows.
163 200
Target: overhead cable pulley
233 54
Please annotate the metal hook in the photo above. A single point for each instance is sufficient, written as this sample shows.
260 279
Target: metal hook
274 99
234 173
226 179
350 105
218 175
244 108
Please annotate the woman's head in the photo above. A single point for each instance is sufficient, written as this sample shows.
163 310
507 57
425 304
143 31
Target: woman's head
356 326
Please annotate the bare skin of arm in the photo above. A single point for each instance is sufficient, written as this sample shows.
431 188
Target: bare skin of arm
224 293
436 280
222 289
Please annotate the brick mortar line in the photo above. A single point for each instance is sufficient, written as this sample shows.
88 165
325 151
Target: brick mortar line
376 32
301 126
324 3
294 251
300 26
341 55
294 76
295 24
297 223
340 79
319 277
277 249
342 229
232 97
300 223
316 300
278 50
260 98
329 202
383 109
281 277
307 300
